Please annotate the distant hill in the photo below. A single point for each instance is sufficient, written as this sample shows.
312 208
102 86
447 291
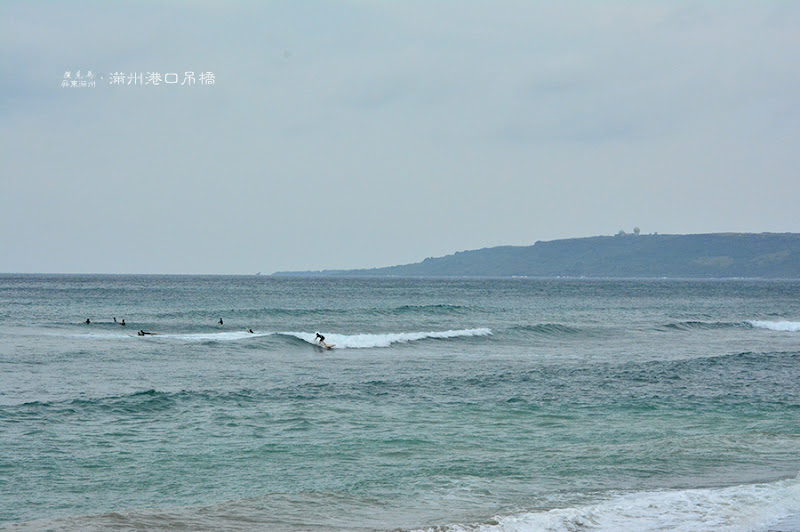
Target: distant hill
717 255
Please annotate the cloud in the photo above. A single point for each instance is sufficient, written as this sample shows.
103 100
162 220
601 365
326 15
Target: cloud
386 132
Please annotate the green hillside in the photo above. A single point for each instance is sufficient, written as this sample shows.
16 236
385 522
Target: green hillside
718 255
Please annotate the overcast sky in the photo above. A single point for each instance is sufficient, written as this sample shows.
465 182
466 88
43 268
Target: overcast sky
363 133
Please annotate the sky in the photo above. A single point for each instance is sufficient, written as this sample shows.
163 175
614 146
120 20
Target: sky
359 134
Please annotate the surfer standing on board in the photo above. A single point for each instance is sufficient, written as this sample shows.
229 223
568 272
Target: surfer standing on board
321 342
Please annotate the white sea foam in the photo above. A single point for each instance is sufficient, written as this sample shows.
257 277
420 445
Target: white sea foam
227 336
356 341
353 341
752 507
90 335
221 336
784 326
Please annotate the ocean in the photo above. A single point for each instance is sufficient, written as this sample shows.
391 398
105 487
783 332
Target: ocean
446 405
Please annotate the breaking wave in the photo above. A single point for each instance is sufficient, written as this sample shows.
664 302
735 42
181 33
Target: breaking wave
360 341
784 326
747 507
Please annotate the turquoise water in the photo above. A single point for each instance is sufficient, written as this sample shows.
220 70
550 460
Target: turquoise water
490 405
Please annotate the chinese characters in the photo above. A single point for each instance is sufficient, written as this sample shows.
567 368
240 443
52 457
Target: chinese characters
88 79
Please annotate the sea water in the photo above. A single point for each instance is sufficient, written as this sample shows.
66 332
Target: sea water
447 405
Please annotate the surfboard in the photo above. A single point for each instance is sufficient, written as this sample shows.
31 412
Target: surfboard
325 346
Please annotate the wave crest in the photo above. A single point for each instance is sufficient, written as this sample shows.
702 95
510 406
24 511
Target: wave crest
783 326
703 325
549 330
361 341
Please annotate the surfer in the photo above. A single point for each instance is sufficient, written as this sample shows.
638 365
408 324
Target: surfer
115 319
87 321
321 339
220 321
250 331
143 333
122 322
